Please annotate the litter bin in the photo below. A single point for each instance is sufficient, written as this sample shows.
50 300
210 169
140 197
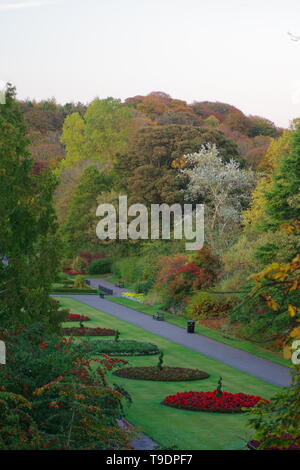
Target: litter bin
191 326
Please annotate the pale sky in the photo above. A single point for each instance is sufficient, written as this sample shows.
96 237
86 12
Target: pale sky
235 51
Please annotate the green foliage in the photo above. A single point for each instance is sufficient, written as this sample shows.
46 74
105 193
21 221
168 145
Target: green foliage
146 171
103 131
18 429
29 244
100 266
64 400
277 424
286 185
160 360
206 304
118 348
79 283
81 214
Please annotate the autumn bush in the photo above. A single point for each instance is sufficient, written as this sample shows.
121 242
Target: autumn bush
52 397
180 276
206 304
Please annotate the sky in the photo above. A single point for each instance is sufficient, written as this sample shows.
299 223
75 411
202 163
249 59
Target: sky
235 51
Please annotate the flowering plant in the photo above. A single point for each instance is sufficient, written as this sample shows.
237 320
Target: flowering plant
210 401
134 296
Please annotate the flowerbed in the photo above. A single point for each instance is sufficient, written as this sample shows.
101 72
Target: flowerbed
119 348
137 297
254 444
209 401
85 331
166 374
77 317
72 272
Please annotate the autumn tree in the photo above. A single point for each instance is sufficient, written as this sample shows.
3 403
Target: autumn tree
103 131
147 172
224 187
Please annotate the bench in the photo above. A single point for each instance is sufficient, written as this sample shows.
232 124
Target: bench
105 290
158 316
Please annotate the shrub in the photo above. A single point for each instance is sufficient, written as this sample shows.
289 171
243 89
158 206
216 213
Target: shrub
166 374
120 348
89 257
100 266
79 283
181 276
85 331
206 304
79 264
52 398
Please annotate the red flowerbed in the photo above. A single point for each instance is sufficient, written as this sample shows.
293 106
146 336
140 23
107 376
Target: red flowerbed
77 317
209 401
253 445
85 331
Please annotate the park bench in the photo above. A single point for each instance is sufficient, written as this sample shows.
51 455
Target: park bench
105 290
159 316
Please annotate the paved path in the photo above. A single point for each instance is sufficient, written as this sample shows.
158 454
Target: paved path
118 291
264 369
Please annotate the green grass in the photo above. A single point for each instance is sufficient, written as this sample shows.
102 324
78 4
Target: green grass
205 331
186 429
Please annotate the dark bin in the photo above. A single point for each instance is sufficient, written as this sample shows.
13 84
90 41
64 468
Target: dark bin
191 326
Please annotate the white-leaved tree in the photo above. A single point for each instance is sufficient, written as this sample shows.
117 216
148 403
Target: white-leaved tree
224 188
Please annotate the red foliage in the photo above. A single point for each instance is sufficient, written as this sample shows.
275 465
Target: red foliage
209 401
181 277
76 331
77 317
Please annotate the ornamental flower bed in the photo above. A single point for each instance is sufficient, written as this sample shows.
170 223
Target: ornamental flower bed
137 297
254 444
73 273
118 348
77 317
85 331
166 374
209 401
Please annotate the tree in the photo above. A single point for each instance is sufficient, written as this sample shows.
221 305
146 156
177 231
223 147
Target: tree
29 247
82 209
73 137
109 126
261 126
224 187
103 131
277 423
147 172
286 184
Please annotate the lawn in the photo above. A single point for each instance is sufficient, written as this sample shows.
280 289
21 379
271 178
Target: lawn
203 330
186 430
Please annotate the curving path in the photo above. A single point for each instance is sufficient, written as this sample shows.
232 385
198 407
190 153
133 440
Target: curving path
264 369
